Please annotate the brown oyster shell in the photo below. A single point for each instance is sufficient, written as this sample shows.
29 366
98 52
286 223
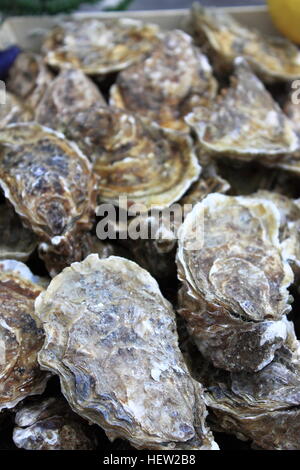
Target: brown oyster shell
20 338
13 111
16 241
99 48
51 425
168 84
145 163
274 59
29 78
246 124
71 91
50 184
235 281
261 406
111 337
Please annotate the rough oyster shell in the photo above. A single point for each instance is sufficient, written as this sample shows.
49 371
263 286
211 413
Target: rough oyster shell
16 242
29 78
235 281
223 38
20 338
245 123
168 84
261 406
99 48
71 91
13 111
50 184
149 165
111 337
51 425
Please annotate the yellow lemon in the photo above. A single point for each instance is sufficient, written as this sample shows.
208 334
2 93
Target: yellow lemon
286 17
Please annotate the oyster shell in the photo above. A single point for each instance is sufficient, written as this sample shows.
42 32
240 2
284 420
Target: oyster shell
168 84
50 184
274 59
245 123
235 281
20 338
13 111
51 425
111 337
149 165
16 241
99 48
293 112
29 78
261 406
71 91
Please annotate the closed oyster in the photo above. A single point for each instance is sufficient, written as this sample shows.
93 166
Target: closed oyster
168 84
29 78
143 162
235 281
289 232
261 406
16 241
50 184
223 38
13 111
111 337
51 425
246 124
20 338
99 48
70 93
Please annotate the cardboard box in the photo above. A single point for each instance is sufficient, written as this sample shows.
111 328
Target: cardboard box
28 31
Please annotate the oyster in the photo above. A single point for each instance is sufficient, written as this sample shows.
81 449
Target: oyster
20 338
235 281
245 123
16 241
51 425
147 164
293 112
69 93
274 59
50 184
13 111
111 338
168 84
99 48
29 78
262 406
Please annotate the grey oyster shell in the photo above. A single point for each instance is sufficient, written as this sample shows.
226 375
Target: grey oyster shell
50 424
274 59
262 407
29 78
71 92
16 241
246 124
50 184
147 164
99 48
167 84
235 279
111 337
20 338
13 111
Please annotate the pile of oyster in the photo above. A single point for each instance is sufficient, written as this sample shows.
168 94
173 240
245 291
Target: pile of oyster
174 339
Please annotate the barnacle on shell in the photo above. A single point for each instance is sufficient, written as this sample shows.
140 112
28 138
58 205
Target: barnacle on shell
235 278
274 59
111 337
98 47
50 424
168 83
20 338
50 184
245 123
